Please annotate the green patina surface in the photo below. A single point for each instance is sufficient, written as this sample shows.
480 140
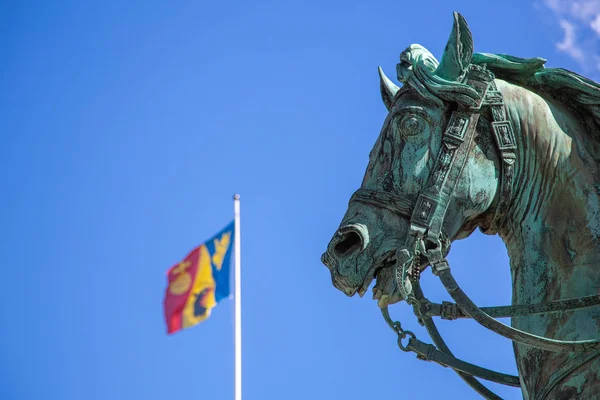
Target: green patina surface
552 224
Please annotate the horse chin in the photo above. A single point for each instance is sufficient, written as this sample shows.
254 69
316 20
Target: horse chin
385 290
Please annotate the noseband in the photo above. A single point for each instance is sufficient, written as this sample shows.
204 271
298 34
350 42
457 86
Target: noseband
426 238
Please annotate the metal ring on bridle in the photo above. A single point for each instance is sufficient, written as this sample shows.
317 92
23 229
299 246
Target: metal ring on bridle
403 336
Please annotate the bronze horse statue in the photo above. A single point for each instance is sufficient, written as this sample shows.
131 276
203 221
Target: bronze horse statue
502 144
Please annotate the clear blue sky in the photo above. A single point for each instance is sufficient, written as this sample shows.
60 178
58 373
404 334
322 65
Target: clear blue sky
127 126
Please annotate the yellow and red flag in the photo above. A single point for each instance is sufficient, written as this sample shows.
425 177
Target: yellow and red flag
199 282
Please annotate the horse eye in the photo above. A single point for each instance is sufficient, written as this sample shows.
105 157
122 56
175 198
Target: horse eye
412 125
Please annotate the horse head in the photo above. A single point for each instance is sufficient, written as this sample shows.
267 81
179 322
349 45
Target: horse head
377 234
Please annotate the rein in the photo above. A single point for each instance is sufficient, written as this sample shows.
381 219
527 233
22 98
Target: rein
426 238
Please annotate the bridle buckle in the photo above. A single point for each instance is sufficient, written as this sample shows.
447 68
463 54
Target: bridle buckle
435 255
449 311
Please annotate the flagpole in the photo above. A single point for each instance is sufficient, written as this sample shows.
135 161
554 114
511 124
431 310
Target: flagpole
238 300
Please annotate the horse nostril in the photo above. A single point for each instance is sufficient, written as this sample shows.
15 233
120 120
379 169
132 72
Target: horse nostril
351 242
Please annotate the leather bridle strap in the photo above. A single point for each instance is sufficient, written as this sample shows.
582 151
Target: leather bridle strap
429 352
420 305
507 146
427 219
465 376
389 201
467 305
450 311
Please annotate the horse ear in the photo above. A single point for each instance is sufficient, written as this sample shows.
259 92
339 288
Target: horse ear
388 89
459 50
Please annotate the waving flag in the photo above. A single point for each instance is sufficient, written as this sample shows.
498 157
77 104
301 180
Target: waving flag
199 282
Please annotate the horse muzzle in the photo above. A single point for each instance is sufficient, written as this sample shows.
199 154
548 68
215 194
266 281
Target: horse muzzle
354 265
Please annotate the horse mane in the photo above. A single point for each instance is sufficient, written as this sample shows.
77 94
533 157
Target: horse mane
574 91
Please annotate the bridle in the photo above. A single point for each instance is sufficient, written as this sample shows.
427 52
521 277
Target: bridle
427 239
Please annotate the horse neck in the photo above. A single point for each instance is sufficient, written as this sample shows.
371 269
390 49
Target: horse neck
553 229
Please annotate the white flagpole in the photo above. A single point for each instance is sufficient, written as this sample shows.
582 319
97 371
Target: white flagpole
238 300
